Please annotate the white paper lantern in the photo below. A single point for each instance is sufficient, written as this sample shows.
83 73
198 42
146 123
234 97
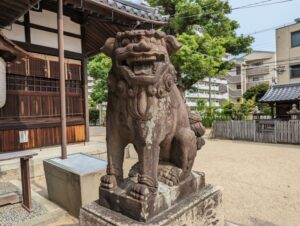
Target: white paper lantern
2 82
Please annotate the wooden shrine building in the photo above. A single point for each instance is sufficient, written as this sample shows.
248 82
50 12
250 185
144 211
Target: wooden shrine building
31 117
281 98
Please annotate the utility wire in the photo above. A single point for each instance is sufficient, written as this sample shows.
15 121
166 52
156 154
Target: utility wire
253 5
259 5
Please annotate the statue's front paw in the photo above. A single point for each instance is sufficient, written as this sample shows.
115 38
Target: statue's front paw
140 192
169 175
108 181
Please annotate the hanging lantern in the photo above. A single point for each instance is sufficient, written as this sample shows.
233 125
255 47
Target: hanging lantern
2 82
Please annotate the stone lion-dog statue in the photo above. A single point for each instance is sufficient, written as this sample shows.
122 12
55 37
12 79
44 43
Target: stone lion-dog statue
146 108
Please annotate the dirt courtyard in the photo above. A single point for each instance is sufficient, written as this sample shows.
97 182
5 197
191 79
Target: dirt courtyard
261 181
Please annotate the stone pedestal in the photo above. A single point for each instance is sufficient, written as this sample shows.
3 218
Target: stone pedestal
167 196
73 182
203 208
190 203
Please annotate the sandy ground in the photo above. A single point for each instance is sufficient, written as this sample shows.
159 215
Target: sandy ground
261 181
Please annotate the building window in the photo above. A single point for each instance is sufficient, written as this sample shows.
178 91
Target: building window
238 86
257 64
258 78
295 39
295 71
238 70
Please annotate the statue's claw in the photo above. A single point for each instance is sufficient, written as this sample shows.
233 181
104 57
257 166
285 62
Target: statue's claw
140 192
169 175
108 181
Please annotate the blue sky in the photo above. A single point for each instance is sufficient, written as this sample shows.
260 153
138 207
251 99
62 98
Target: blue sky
260 18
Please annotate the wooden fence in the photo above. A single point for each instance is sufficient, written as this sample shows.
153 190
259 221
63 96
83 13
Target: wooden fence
266 131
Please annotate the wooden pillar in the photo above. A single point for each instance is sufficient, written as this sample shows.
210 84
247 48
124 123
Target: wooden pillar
86 100
85 82
26 189
60 26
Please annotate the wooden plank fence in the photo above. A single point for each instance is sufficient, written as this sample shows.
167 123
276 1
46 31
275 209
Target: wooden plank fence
265 131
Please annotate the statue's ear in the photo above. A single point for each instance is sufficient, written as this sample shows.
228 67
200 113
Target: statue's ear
108 46
172 44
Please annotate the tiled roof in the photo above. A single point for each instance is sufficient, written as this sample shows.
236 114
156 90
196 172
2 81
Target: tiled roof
136 9
128 9
277 93
10 10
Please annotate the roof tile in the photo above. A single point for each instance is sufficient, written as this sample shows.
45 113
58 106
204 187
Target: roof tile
277 93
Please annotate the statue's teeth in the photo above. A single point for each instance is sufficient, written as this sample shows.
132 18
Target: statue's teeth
142 69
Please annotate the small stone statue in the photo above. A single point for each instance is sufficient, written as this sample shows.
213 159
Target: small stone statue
145 108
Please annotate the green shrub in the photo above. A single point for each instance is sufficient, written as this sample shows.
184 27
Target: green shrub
94 116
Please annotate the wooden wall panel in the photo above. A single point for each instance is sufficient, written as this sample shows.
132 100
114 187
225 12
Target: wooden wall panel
40 137
22 104
33 104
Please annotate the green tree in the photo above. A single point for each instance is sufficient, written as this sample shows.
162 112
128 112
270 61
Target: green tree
201 106
257 92
202 55
238 111
98 68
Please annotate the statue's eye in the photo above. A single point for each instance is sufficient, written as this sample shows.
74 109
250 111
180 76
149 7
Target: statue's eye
153 40
125 42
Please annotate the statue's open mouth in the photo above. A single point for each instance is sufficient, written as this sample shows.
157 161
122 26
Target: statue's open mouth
143 64
142 68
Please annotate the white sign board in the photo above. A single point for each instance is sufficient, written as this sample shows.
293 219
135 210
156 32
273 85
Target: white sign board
23 136
2 82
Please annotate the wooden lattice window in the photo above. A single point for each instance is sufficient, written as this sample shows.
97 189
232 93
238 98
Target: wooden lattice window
54 69
74 72
38 67
17 68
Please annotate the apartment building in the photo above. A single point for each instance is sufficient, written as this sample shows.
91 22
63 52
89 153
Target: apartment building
214 89
258 67
288 53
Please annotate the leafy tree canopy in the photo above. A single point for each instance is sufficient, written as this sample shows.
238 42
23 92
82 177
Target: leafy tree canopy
98 68
202 55
256 92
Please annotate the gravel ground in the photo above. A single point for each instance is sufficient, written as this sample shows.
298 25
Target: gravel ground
13 214
6 187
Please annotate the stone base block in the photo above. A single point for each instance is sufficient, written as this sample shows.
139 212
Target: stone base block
73 182
167 196
203 208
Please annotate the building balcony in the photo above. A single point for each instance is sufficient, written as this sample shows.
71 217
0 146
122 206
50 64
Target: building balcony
206 87
223 89
255 83
260 70
206 96
235 93
216 80
234 79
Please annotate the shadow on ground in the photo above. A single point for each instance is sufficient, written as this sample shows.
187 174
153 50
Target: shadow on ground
260 222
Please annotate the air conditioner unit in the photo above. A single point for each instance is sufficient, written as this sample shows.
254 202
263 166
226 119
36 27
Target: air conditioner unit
2 82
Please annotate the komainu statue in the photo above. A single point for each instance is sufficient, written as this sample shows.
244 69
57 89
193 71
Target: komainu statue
146 108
